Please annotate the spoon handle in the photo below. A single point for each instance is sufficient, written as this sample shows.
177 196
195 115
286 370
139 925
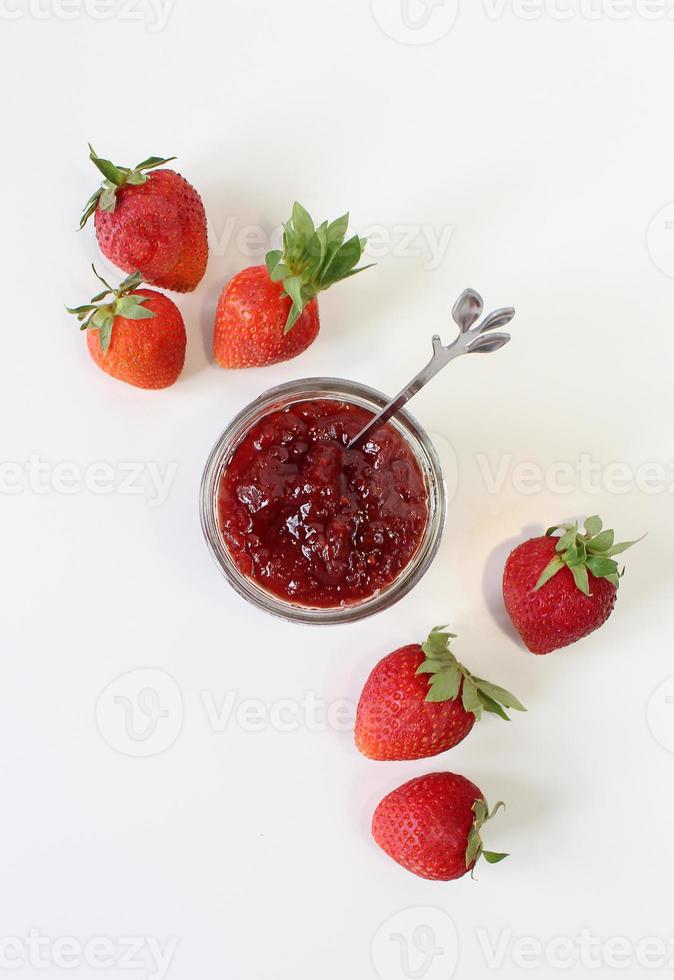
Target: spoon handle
471 340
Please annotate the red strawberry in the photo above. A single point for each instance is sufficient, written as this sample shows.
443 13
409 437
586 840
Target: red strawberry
251 318
147 354
151 222
431 826
557 590
268 314
419 701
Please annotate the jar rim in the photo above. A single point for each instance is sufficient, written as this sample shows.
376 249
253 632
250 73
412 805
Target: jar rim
283 395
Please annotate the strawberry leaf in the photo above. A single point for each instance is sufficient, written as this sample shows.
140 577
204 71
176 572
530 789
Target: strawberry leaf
136 178
107 200
499 694
583 553
568 539
134 311
116 177
447 678
581 579
593 526
80 311
153 162
576 554
437 643
337 229
343 261
313 258
127 285
280 272
89 208
444 685
619 548
105 331
124 302
602 542
293 317
354 272
490 705
302 221
272 259
549 571
475 848
470 697
492 857
293 287
430 666
600 566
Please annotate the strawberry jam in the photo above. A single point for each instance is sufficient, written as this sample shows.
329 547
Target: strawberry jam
314 522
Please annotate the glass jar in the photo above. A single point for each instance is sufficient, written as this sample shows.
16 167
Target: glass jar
277 399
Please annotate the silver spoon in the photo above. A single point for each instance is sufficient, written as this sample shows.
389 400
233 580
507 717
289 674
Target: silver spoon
471 340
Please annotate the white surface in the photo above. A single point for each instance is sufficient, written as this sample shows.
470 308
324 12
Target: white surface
545 147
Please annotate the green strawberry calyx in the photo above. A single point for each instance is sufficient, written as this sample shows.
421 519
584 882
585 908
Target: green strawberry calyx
313 259
124 301
116 177
591 551
475 849
448 678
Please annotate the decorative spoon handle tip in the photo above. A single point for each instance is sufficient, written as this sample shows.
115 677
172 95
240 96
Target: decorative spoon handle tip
474 338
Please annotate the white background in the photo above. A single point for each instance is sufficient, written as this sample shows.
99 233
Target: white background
543 149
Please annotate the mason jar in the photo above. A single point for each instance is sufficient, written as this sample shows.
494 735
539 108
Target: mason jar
278 399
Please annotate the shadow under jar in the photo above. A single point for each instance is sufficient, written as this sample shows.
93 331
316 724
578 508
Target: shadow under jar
308 530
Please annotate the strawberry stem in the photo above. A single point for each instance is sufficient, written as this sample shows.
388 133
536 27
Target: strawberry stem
448 679
590 551
475 849
97 315
116 177
313 259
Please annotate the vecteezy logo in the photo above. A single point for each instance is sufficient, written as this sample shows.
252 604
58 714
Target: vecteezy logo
660 714
140 713
415 21
416 944
660 240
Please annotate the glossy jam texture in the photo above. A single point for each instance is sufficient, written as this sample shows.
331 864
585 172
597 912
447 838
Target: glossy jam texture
313 522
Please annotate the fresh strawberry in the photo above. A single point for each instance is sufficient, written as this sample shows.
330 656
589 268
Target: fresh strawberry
153 223
432 826
135 335
419 701
249 324
559 589
269 313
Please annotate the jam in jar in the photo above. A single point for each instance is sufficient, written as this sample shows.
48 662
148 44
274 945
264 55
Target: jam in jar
313 522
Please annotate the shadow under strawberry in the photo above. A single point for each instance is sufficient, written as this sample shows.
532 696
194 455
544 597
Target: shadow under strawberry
492 579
